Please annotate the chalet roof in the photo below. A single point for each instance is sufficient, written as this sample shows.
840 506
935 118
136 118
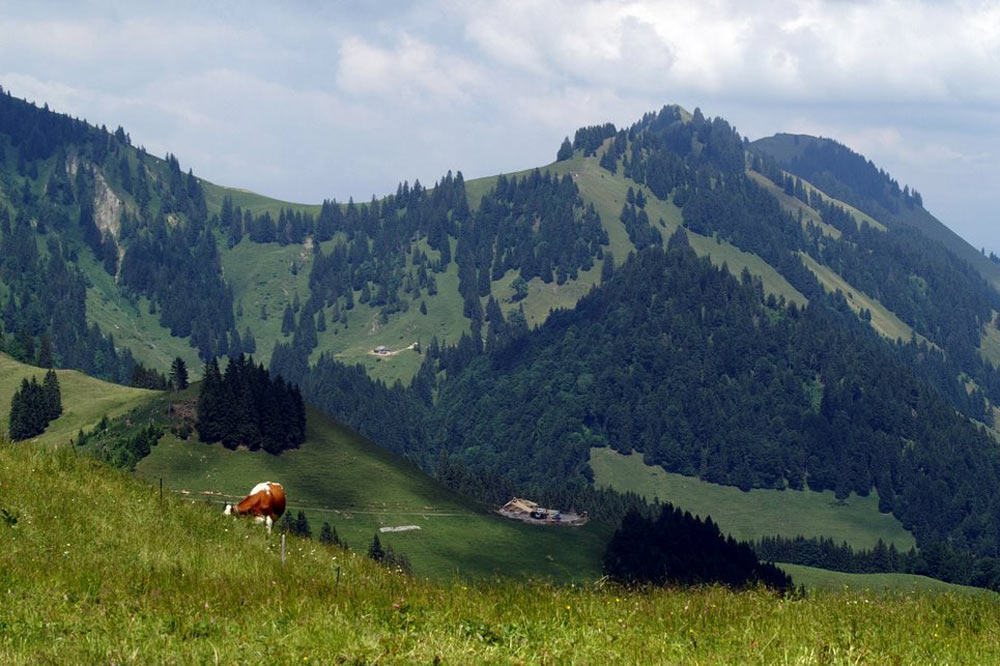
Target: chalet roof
519 504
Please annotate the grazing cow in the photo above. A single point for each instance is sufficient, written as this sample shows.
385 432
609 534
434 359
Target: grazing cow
266 503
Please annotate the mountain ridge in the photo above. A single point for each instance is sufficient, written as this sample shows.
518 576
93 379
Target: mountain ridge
314 291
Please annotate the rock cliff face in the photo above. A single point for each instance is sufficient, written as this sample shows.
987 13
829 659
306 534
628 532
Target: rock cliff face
107 206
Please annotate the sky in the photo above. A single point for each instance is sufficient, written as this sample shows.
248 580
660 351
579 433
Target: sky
310 100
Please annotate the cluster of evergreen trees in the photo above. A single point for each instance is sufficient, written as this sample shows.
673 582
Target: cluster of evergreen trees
678 548
245 406
535 226
387 557
34 406
824 553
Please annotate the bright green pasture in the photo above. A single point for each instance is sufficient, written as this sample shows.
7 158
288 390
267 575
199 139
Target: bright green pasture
340 477
84 399
758 513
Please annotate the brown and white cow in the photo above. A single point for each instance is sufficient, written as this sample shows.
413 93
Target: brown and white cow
266 503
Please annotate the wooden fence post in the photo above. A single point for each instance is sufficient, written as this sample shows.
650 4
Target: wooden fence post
282 549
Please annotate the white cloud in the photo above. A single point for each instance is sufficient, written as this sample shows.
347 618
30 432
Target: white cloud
304 101
883 50
411 70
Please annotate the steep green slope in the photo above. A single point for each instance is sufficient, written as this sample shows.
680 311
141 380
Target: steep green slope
151 580
794 152
84 399
340 477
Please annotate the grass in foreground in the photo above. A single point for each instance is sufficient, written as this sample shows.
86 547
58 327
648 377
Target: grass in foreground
751 515
137 581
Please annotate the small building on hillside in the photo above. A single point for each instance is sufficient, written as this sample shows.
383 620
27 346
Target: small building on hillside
525 510
382 350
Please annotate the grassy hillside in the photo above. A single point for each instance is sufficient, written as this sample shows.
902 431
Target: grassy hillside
821 579
247 200
340 477
263 281
751 515
785 147
262 278
145 581
883 319
606 191
85 399
131 324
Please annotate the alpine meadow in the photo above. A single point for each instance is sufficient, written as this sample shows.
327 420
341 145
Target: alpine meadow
747 394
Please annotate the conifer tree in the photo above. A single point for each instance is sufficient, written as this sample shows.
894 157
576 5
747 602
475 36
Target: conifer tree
45 351
565 150
178 374
52 395
328 535
375 550
302 526
287 321
249 342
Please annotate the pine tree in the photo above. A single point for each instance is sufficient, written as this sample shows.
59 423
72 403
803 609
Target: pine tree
53 397
249 342
302 526
327 535
375 551
178 374
608 267
211 404
287 321
565 150
45 352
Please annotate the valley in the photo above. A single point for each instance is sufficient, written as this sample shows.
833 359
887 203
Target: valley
339 477
798 294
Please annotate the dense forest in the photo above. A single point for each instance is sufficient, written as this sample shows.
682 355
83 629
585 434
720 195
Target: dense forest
676 548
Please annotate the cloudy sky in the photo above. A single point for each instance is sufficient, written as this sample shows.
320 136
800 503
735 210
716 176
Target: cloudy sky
311 100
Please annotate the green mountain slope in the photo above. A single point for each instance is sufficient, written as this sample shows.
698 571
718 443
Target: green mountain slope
85 400
792 150
340 477
451 279
757 513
